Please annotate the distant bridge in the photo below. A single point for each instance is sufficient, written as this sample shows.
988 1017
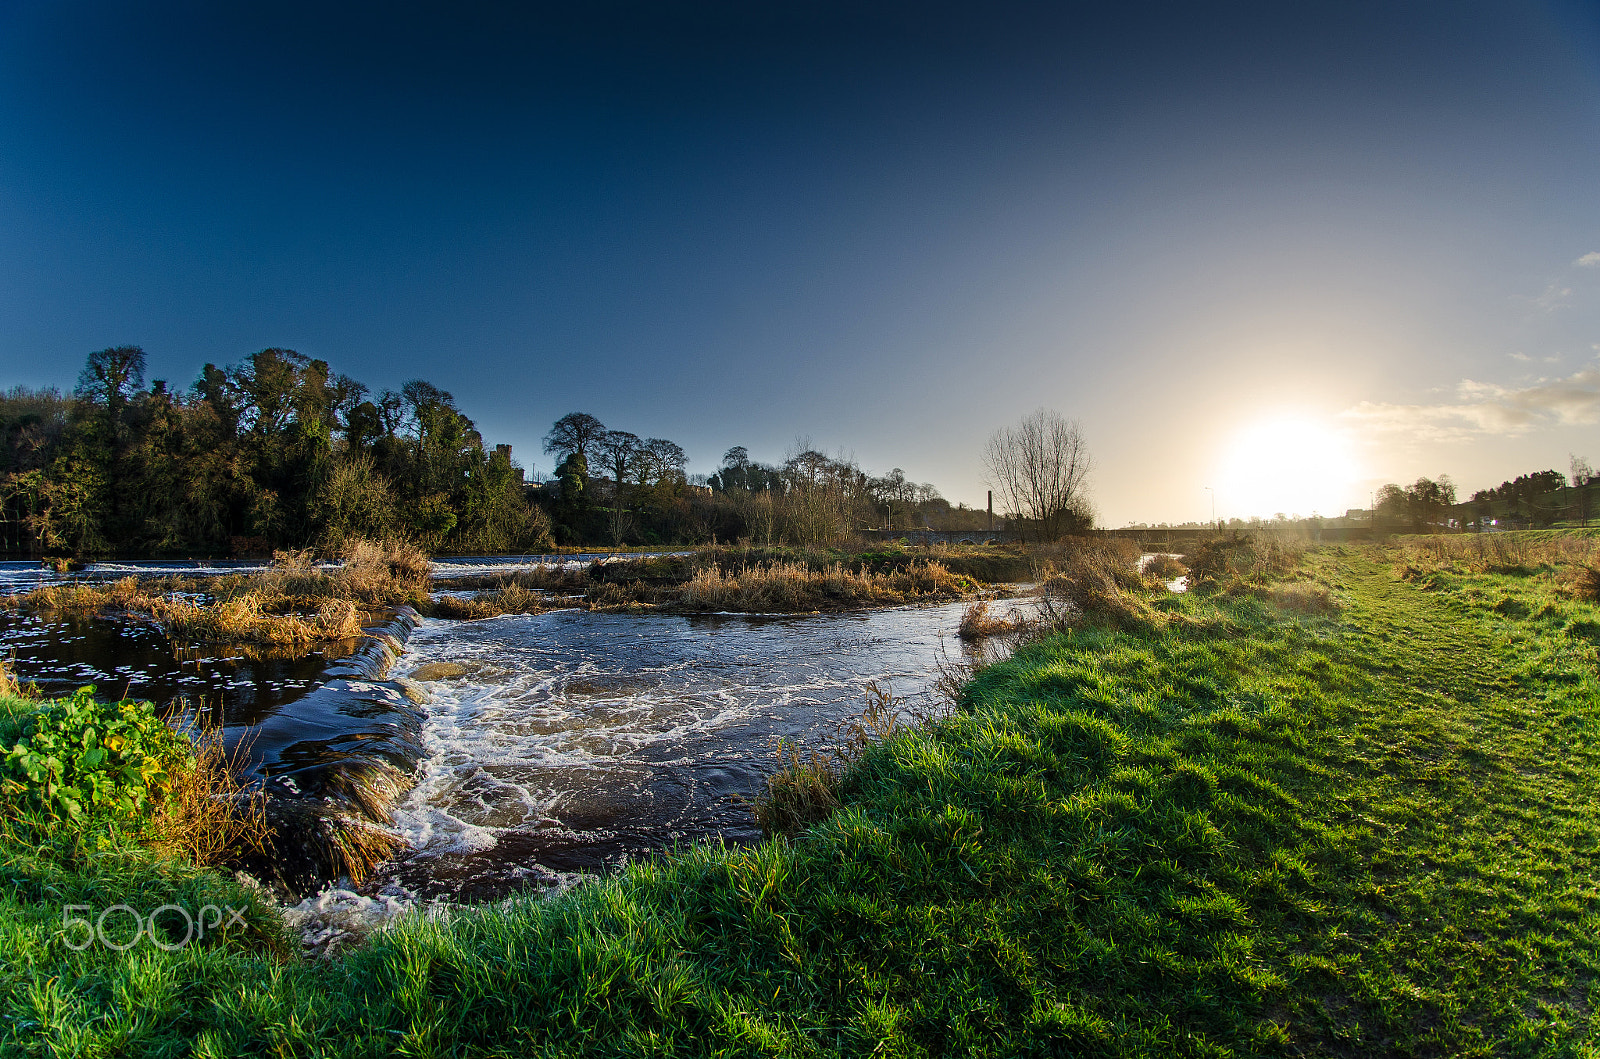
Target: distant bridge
1149 539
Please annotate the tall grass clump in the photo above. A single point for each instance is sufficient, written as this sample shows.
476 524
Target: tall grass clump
1241 561
207 816
1165 567
1098 582
791 586
978 622
246 617
809 786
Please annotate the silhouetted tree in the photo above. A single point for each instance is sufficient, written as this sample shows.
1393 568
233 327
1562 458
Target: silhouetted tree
1041 467
573 432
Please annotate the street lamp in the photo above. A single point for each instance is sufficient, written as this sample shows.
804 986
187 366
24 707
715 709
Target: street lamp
1213 493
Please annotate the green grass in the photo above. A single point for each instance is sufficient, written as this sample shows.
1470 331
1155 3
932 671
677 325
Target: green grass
1243 832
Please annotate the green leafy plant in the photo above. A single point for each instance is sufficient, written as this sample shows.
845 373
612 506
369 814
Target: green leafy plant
83 760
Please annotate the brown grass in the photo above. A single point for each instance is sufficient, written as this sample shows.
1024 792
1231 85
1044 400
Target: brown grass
1587 585
977 623
1099 582
9 685
1497 552
1250 558
512 598
806 790
789 587
208 817
1165 567
290 603
246 618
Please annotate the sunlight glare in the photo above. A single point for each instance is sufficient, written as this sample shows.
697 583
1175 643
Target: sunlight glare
1292 464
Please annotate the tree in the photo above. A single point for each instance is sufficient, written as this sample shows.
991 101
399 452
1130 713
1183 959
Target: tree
574 432
1041 468
620 451
109 380
1428 501
1582 475
663 461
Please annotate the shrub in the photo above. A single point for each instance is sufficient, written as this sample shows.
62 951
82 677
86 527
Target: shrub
1099 583
1588 584
977 623
86 761
1165 567
1248 557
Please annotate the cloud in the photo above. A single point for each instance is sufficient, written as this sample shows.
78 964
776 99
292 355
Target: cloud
1553 297
1484 409
1589 260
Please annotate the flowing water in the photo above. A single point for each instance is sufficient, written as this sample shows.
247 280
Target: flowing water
567 741
575 741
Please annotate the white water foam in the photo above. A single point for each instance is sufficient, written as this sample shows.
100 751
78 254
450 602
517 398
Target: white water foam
576 724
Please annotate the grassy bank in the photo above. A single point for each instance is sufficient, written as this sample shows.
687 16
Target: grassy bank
1231 827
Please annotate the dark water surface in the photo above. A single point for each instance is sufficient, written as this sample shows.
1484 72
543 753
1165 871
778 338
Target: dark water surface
234 686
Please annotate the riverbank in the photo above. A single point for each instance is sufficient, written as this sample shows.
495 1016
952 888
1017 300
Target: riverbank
296 601
1230 825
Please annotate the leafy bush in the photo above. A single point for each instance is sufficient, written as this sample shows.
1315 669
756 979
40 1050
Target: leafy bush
89 762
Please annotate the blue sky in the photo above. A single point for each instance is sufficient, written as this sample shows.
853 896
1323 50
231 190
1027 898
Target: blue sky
1230 239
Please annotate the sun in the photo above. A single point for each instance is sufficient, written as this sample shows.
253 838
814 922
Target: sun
1290 464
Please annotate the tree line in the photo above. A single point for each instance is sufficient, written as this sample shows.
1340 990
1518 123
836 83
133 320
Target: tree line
614 486
1539 498
279 451
275 452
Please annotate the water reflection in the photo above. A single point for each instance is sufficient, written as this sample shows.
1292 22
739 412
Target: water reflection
231 685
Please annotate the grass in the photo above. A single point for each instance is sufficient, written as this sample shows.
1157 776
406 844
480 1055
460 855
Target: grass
292 603
1229 828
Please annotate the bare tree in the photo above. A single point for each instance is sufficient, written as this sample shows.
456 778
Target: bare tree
1582 475
574 432
619 450
1040 468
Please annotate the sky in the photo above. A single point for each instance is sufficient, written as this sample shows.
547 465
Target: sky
1269 256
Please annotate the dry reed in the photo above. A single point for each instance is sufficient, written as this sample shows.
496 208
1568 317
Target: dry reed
246 617
208 817
1098 582
779 587
1165 567
977 623
806 790
10 687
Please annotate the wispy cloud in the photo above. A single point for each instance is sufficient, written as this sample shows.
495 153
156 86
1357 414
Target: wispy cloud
1483 408
1523 358
1589 260
1554 297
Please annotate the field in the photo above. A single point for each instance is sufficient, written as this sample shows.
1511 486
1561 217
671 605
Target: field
1339 803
